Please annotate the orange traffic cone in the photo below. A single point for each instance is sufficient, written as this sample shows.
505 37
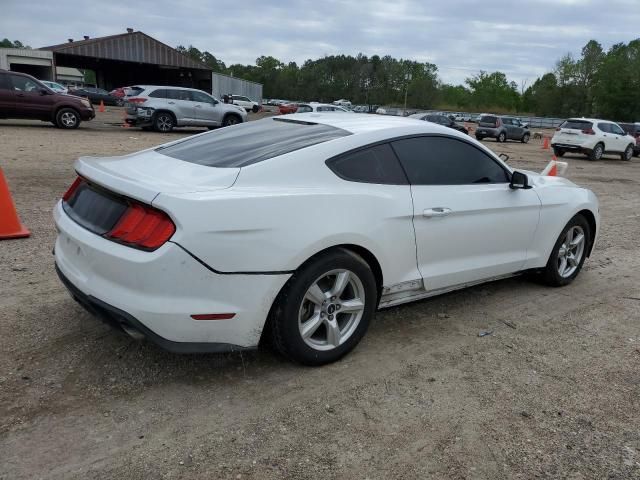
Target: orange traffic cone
545 144
553 171
10 226
101 107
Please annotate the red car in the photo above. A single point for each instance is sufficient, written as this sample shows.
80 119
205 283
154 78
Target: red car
288 108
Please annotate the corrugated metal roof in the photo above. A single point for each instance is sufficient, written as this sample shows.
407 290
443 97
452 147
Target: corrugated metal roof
128 47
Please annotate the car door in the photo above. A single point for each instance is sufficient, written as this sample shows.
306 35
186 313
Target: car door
508 126
469 224
206 108
7 97
182 105
517 130
621 138
32 100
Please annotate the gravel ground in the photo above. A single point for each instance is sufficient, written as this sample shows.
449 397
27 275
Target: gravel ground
554 392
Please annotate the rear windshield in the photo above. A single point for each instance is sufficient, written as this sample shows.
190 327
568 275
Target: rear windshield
132 91
251 142
576 124
488 119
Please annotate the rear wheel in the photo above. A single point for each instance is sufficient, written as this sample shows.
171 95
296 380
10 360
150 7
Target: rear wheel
163 122
325 308
67 118
502 137
596 153
568 254
628 153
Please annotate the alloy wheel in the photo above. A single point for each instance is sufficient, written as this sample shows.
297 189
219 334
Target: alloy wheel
571 251
164 123
331 309
68 119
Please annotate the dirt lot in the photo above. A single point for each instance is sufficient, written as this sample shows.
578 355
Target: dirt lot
555 395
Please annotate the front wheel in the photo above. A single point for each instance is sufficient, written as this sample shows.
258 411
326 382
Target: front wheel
325 308
67 118
479 137
558 152
568 254
230 120
627 154
525 138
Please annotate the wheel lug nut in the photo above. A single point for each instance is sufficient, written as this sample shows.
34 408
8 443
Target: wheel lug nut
337 307
333 298
322 314
330 317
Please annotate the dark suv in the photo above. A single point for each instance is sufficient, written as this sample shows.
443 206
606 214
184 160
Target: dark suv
22 96
633 129
502 128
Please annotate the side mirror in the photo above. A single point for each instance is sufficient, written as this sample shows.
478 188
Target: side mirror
44 91
519 180
525 125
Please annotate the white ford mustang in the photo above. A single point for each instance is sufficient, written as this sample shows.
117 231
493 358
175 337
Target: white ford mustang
300 227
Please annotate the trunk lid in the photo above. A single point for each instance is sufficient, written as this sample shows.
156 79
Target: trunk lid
573 131
146 174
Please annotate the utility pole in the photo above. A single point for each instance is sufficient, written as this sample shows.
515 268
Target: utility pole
407 78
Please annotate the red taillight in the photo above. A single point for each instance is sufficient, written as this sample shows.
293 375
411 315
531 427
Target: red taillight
72 189
588 131
498 122
137 100
143 227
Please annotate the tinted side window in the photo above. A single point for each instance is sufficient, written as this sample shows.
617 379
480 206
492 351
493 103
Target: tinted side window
372 165
605 127
4 82
447 161
304 109
23 84
201 97
616 129
160 93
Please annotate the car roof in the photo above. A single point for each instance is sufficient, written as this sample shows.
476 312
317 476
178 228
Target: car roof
359 123
147 87
582 119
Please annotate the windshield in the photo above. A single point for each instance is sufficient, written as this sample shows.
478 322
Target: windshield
251 142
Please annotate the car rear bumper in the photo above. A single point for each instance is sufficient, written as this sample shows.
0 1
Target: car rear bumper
154 294
487 132
568 147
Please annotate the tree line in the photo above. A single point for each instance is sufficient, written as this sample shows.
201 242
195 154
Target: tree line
597 83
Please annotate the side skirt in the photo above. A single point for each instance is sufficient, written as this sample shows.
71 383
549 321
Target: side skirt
391 297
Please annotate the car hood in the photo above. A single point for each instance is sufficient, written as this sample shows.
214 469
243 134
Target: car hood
146 174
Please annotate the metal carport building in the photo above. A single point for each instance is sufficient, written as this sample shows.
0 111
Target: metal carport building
132 58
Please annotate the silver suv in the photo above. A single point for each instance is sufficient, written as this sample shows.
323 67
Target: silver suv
163 108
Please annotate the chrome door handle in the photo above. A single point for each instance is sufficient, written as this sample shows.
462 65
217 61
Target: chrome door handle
436 212
171 103
198 106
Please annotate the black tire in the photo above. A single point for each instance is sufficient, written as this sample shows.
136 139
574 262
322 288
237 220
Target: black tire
558 152
67 118
284 322
163 122
231 119
255 109
596 153
479 137
627 154
550 275
502 137
119 102
525 138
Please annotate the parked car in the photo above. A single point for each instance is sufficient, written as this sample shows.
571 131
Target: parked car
593 138
381 111
97 95
502 128
320 107
633 129
342 102
22 96
287 108
440 120
163 108
195 243
56 87
246 103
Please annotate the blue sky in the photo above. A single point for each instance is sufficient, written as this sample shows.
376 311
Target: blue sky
522 38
